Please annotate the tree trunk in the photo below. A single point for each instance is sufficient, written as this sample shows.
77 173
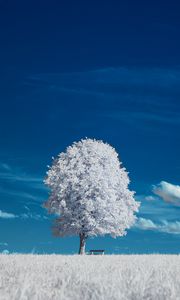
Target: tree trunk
82 243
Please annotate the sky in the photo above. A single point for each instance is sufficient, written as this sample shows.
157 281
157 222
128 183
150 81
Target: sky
108 70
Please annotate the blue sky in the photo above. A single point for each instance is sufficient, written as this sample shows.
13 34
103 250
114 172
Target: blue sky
106 70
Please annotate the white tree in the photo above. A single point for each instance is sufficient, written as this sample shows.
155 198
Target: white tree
89 192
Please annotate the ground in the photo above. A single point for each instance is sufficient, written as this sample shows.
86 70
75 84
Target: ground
107 277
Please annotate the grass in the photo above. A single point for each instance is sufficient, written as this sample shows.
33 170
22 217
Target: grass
60 277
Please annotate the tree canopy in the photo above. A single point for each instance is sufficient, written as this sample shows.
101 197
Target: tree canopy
89 191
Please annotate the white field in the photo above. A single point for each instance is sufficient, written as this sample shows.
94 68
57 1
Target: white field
48 277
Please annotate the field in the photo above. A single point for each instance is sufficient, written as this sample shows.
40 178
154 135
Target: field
59 277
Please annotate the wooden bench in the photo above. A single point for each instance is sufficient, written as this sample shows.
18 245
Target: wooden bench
92 252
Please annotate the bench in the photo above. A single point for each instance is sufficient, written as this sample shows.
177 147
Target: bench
92 252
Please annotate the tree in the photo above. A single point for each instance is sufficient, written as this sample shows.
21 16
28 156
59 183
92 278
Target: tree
89 192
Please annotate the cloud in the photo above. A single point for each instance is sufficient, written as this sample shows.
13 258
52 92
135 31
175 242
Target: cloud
5 215
33 216
28 215
144 96
19 193
33 251
3 244
5 251
170 193
136 86
164 226
111 80
145 224
150 198
20 184
152 207
17 174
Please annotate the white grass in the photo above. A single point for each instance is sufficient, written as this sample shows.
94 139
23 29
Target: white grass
49 277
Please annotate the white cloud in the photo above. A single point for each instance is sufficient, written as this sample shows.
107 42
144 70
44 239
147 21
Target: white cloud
5 251
26 187
3 244
168 192
145 224
19 175
20 194
150 198
29 215
32 216
97 79
5 215
165 226
171 227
